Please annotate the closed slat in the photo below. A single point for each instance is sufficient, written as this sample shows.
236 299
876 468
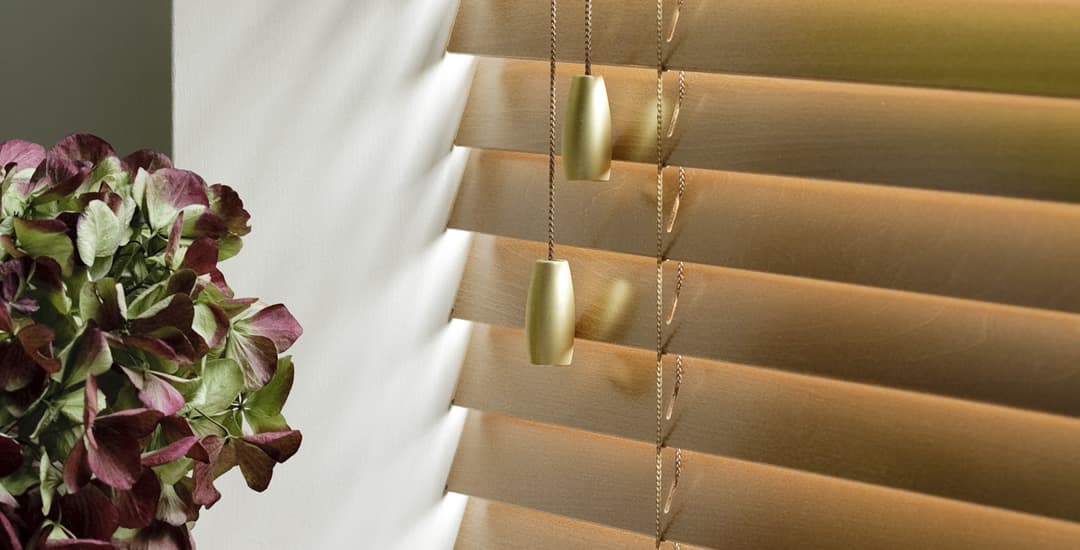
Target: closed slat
999 45
983 248
720 502
961 141
489 525
991 455
988 352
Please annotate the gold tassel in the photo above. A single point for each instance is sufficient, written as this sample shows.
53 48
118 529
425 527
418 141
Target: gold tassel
549 314
586 143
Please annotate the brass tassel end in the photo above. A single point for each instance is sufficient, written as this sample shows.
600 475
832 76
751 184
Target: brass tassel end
586 143
549 314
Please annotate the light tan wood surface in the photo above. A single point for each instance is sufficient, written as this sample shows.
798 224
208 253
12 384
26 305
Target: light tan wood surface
963 450
490 525
937 139
997 45
724 503
1023 357
983 248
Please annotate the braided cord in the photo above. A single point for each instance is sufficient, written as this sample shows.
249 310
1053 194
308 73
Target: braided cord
551 139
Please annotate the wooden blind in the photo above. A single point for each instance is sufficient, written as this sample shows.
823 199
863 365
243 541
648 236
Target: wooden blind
880 318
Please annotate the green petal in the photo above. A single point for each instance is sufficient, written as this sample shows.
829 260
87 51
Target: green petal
98 232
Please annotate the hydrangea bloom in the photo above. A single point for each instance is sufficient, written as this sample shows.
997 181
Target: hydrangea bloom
131 376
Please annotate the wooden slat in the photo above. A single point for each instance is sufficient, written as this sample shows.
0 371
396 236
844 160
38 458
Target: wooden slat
988 352
999 45
723 503
962 141
985 454
489 525
983 248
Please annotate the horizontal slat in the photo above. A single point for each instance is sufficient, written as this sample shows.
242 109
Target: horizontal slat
990 455
962 141
988 352
999 45
983 248
489 525
721 502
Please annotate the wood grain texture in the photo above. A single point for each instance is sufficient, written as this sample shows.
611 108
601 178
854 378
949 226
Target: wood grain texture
997 45
991 455
489 525
983 248
1009 355
723 503
960 141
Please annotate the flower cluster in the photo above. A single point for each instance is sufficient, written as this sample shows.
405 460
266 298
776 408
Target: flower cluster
130 375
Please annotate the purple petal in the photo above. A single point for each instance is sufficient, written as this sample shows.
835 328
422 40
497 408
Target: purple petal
89 514
226 203
148 160
255 465
257 357
156 393
274 322
162 536
280 446
114 454
76 469
201 256
37 341
205 494
90 406
177 313
174 238
9 540
21 154
170 452
79 544
139 505
10 455
133 422
82 147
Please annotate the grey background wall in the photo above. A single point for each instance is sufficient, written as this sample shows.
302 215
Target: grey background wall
334 119
102 67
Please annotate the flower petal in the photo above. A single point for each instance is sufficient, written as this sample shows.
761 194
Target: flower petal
274 322
139 505
114 453
201 256
280 446
76 469
162 536
257 357
169 191
255 465
148 160
226 203
9 540
89 514
20 154
37 341
155 392
205 494
10 455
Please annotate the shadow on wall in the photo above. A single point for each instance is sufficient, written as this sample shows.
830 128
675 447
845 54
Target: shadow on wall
335 120
90 67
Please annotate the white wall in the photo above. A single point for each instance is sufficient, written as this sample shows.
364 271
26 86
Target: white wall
334 120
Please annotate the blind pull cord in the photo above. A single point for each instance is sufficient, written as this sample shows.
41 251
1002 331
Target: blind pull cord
588 37
658 533
678 104
679 278
675 21
678 199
